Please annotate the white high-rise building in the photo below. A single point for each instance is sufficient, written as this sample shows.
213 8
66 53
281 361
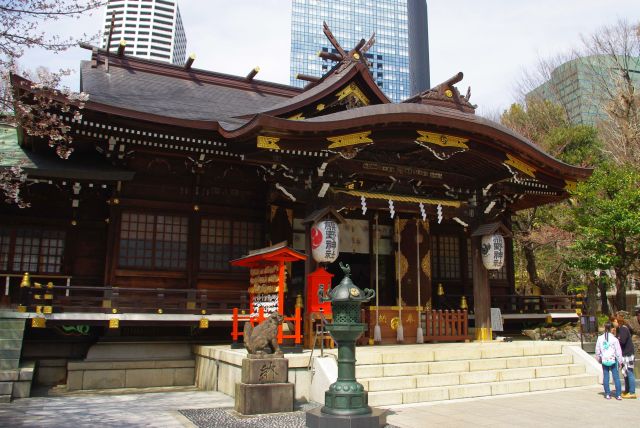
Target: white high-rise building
152 29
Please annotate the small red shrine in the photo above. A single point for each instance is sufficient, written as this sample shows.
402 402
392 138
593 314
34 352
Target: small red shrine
267 279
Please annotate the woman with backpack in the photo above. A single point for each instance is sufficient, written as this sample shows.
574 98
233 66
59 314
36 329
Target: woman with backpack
623 334
609 354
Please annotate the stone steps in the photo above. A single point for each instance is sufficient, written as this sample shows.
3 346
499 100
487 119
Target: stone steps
400 369
15 380
486 376
422 374
419 395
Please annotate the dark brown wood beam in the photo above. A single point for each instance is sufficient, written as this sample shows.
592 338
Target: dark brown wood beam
330 56
308 78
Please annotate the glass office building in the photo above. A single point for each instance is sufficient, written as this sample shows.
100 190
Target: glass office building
352 20
577 86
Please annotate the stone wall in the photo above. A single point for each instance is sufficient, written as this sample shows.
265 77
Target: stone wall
218 368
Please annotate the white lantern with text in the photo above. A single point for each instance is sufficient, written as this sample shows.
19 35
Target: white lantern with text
325 237
492 250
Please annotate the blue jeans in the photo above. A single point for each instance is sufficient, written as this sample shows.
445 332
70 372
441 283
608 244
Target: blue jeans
630 382
616 379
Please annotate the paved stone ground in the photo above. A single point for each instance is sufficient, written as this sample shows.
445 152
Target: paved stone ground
227 418
562 408
159 409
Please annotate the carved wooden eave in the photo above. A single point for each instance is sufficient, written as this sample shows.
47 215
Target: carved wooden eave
491 228
446 95
323 213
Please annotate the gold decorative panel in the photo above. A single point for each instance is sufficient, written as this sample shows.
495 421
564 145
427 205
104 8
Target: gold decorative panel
350 139
425 264
521 166
355 91
268 142
442 140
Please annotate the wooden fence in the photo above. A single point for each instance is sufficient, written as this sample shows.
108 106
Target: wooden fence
446 326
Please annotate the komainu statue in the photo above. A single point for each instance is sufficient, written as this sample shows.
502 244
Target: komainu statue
263 339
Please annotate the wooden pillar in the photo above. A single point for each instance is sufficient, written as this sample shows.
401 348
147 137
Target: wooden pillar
481 293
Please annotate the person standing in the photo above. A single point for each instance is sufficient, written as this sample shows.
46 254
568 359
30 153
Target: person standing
634 323
623 334
609 354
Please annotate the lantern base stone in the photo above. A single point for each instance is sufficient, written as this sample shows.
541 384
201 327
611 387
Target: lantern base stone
376 419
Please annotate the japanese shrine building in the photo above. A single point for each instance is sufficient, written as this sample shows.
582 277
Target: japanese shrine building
177 171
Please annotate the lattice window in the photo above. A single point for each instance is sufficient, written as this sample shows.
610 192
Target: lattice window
5 239
446 257
225 240
171 242
38 250
500 274
153 241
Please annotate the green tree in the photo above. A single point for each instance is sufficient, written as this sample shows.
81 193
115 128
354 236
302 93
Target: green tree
539 233
607 224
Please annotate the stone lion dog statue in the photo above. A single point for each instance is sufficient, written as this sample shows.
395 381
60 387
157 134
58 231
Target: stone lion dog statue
263 339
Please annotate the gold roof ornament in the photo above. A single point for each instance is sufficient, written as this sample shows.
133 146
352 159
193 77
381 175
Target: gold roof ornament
353 90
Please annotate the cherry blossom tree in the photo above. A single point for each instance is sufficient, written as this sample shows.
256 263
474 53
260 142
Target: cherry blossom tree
32 108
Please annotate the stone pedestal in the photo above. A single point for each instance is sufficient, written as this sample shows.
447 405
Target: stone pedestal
264 387
316 419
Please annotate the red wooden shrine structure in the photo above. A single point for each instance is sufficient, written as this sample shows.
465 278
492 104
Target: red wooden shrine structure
267 282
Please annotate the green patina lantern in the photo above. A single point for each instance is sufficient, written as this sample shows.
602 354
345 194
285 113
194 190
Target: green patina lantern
346 397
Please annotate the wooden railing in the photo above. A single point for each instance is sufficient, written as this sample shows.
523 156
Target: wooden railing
518 304
58 299
446 326
255 319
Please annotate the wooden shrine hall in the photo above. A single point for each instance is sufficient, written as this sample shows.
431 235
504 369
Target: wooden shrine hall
177 171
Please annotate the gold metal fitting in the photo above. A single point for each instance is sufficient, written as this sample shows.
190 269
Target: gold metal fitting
26 280
440 289
463 303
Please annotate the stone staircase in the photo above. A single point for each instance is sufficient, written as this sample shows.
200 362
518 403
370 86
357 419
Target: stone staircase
414 373
15 379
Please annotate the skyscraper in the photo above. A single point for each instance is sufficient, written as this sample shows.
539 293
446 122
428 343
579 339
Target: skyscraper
399 55
152 29
576 85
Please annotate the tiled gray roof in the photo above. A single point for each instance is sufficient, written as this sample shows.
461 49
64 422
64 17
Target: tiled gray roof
46 164
170 96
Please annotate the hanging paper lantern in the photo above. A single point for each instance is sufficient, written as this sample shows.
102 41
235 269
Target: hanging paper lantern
324 241
492 250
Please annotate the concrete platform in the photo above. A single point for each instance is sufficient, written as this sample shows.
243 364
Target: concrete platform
403 374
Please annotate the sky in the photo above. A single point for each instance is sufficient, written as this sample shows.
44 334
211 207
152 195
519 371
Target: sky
491 41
